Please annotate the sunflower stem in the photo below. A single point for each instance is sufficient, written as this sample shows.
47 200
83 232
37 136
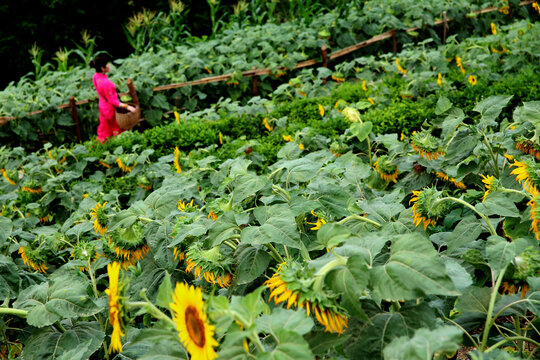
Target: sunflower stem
361 218
495 166
152 310
274 253
514 191
489 319
11 311
229 244
464 203
512 338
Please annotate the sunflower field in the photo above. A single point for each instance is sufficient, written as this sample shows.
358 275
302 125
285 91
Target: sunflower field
385 208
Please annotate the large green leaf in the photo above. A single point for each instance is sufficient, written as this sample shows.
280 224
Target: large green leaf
278 228
126 218
290 346
282 319
64 296
5 228
158 236
368 339
424 344
9 278
247 185
413 270
498 204
252 262
49 343
490 108
466 232
501 252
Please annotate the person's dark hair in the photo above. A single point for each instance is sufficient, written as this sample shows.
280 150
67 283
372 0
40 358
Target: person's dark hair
99 62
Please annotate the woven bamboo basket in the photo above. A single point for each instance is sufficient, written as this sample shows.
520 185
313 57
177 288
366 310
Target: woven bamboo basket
127 119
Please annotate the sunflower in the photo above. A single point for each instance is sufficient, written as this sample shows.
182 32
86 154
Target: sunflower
85 251
352 114
100 218
371 100
129 244
535 214
505 10
212 215
528 146
287 138
183 206
31 190
178 255
439 80
9 175
321 110
460 65
115 307
267 125
425 209
34 258
493 29
294 285
210 265
177 117
509 289
526 173
194 331
320 221
220 138
472 80
126 162
445 177
338 77
104 164
491 184
426 145
177 160
387 169
400 69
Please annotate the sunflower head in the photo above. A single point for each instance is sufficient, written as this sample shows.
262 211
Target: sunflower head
535 214
320 219
85 251
100 217
117 314
209 265
352 114
472 80
426 145
32 186
126 162
491 183
144 183
192 324
296 285
445 177
426 209
35 256
386 168
527 173
129 244
11 176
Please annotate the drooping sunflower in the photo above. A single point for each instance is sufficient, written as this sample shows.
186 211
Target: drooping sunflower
318 223
209 265
426 145
32 186
34 258
491 183
425 209
321 110
177 160
144 183
116 309
185 206
10 176
129 244
400 68
387 169
294 284
352 114
85 251
287 138
460 65
528 146
212 215
99 216
192 324
493 29
127 162
177 117
364 85
528 174
535 214
445 177
267 125
505 10
439 80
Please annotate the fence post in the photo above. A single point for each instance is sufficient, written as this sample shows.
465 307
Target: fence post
445 27
132 92
255 81
394 41
75 117
324 53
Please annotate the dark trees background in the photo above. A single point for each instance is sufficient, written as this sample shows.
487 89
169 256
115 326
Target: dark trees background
54 24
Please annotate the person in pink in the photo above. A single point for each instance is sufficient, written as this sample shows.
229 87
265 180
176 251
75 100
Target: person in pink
108 99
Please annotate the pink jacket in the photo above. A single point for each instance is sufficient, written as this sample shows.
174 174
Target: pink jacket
108 101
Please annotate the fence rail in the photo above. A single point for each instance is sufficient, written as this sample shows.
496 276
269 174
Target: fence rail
266 71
